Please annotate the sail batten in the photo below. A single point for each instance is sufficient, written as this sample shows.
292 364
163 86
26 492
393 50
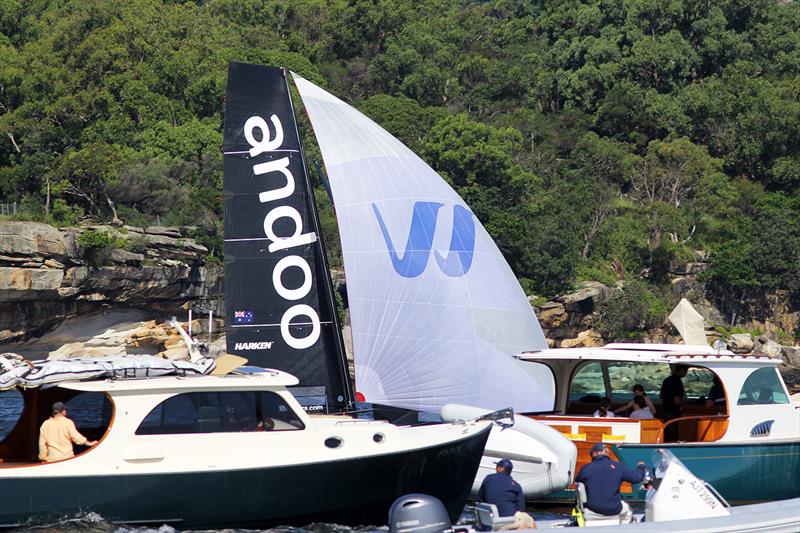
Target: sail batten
436 312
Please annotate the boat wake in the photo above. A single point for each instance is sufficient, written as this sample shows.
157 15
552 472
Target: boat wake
94 523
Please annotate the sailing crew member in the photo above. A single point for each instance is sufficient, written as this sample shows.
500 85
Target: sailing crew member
57 435
501 490
638 391
672 394
602 479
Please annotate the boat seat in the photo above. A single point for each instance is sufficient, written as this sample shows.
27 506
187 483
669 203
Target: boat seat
489 517
592 519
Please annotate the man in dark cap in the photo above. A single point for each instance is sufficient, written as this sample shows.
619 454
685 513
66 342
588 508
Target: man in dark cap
602 479
501 490
57 435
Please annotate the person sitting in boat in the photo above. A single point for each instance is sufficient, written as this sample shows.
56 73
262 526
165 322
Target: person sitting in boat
716 394
642 411
605 409
672 394
501 490
602 479
57 435
638 391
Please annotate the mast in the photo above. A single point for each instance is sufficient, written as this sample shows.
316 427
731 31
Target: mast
341 352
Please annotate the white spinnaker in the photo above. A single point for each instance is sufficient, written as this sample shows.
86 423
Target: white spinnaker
428 328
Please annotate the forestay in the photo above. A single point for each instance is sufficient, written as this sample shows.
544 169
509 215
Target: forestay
436 311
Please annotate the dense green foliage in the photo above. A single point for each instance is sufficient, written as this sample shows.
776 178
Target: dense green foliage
603 139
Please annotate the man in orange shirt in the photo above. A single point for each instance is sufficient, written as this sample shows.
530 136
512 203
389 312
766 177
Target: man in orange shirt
57 435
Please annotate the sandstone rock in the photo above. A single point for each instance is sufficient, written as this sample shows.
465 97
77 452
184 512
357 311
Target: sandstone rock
791 355
133 229
551 314
169 231
52 263
585 339
765 346
551 343
741 343
67 351
126 257
175 353
587 299
18 284
31 239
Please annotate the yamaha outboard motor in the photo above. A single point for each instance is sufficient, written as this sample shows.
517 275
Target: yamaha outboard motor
419 513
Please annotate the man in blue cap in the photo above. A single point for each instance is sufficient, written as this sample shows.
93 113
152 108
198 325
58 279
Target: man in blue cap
501 490
602 479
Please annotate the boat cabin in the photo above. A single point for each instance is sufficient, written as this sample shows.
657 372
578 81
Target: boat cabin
159 406
584 377
753 404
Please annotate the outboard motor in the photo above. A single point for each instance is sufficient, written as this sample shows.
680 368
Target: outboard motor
419 513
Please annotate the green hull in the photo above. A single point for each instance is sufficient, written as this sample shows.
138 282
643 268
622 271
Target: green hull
742 473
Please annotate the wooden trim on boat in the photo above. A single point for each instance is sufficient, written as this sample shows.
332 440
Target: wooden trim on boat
716 420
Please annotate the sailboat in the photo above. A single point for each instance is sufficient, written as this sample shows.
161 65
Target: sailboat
243 446
436 311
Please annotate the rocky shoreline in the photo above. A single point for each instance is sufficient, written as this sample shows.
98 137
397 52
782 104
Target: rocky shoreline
46 279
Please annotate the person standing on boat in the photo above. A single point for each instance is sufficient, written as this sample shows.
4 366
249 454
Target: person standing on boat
602 479
57 435
672 394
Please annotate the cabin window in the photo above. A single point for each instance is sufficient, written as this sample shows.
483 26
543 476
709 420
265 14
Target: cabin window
623 377
219 412
763 386
587 383
11 404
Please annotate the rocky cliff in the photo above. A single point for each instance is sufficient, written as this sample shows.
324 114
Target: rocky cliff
46 278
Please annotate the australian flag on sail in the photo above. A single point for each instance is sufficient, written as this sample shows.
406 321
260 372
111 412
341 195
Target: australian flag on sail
242 317
277 287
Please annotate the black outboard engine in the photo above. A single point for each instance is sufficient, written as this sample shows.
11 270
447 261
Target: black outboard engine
419 513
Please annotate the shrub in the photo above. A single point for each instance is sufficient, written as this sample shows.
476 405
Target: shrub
631 312
95 247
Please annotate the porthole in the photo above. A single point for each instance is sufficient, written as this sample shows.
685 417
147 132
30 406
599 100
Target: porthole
379 437
334 442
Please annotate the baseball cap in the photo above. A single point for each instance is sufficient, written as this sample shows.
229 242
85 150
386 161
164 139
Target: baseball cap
505 463
58 407
598 447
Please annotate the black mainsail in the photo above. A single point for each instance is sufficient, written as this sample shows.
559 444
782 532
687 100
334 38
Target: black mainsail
280 309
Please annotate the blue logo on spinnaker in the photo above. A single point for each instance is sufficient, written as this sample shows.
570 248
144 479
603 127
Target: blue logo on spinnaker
420 241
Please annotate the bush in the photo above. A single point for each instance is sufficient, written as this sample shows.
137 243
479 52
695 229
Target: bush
630 313
96 247
137 245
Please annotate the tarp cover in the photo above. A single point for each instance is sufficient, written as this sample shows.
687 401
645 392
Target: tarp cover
436 312
689 323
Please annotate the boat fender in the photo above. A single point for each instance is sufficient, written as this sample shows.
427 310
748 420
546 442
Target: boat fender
419 513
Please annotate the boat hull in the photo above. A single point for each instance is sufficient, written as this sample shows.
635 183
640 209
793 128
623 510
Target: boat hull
740 472
350 492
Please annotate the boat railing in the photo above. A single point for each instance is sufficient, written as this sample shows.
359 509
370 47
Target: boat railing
704 434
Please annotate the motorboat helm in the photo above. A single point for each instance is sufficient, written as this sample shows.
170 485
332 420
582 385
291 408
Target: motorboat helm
419 513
